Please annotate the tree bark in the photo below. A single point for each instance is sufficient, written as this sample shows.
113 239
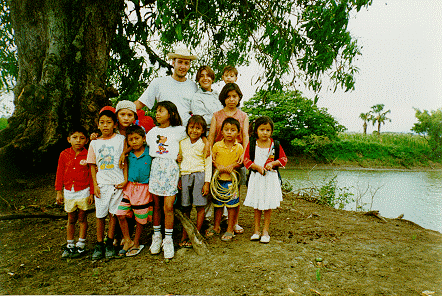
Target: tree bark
63 51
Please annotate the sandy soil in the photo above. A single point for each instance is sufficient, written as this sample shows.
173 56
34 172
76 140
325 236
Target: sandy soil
361 255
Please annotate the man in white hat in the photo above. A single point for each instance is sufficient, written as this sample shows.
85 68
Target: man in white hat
176 88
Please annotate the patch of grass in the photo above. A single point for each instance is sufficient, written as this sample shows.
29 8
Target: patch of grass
388 149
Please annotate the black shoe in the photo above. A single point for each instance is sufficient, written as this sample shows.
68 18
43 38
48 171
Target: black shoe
68 253
78 252
98 252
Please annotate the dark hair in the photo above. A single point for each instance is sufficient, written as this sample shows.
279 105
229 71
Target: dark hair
197 119
80 129
258 122
232 121
109 114
209 72
175 119
135 129
230 69
225 92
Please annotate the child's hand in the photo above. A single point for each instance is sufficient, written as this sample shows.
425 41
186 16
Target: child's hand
241 159
121 161
229 169
59 199
94 136
269 166
179 158
261 170
97 191
121 185
180 185
90 199
206 188
207 149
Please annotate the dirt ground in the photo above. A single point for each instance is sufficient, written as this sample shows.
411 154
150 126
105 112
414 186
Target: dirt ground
361 255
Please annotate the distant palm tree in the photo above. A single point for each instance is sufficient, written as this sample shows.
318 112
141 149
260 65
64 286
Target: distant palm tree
366 117
379 115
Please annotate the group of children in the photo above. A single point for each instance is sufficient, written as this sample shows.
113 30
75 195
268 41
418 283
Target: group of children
131 173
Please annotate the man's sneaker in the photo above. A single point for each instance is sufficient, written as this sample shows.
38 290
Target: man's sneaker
68 253
168 248
155 247
110 252
79 252
98 252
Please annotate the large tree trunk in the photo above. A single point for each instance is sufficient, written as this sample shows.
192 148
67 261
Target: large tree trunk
63 50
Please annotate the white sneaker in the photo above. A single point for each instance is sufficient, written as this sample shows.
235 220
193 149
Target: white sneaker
255 237
155 247
265 239
168 248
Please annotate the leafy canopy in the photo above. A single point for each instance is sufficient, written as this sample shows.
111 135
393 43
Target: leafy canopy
430 126
8 58
294 41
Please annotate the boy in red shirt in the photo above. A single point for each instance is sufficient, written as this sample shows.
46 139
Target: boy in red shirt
75 188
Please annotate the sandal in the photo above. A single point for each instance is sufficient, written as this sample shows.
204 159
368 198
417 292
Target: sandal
238 229
227 237
211 232
134 251
185 243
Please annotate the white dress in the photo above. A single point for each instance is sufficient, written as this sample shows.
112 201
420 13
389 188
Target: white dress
263 192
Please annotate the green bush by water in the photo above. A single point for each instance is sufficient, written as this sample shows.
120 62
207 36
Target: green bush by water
404 150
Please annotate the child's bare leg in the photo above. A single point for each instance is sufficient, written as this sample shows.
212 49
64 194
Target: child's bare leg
168 211
267 214
100 229
217 221
200 215
138 231
112 222
232 219
156 216
82 221
125 231
186 212
257 220
70 227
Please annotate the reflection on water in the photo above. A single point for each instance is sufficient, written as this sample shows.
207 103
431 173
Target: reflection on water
417 195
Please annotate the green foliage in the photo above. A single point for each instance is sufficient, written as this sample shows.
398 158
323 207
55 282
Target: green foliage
404 150
328 194
430 126
295 117
3 123
379 115
332 195
286 186
305 39
8 53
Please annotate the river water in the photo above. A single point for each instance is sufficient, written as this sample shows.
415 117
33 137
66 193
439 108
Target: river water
416 194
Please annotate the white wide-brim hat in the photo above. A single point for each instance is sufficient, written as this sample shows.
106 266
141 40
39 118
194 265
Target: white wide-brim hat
181 53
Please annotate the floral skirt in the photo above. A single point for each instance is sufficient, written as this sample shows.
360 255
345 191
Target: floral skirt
164 175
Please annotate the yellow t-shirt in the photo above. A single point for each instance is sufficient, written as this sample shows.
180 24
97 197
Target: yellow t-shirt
226 156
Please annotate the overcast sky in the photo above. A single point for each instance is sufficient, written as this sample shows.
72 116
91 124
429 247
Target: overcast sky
400 66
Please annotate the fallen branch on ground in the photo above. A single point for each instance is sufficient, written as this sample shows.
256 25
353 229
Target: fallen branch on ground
197 239
376 214
43 215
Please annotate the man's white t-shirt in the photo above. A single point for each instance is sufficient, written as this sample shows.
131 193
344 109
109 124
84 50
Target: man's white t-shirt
168 89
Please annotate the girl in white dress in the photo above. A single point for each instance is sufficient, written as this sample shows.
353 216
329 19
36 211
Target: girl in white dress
263 156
